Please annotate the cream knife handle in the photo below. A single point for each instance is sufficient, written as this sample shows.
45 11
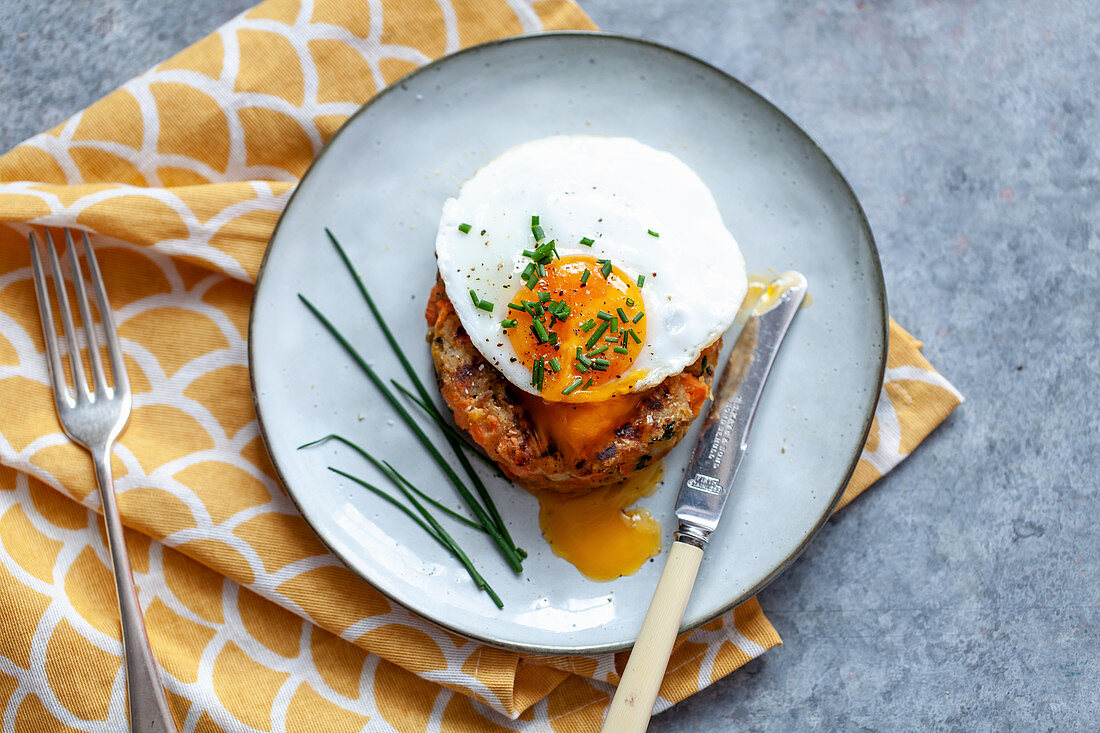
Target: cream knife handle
633 703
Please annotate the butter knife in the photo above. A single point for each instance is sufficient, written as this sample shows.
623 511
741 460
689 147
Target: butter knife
710 476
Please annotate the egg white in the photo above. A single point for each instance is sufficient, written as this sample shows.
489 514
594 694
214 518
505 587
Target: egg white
612 190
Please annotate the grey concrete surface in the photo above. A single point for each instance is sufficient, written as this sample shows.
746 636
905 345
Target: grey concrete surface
962 592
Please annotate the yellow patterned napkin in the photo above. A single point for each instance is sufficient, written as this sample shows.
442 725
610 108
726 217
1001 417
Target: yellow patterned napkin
180 176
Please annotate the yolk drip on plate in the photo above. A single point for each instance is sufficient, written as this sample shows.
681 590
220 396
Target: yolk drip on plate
597 532
595 346
764 291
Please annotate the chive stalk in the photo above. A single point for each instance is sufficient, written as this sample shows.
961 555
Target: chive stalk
441 535
451 432
508 548
378 464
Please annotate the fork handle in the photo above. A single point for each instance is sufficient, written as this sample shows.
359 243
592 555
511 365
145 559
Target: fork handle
149 712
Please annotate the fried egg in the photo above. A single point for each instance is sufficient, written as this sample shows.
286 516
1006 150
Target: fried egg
587 267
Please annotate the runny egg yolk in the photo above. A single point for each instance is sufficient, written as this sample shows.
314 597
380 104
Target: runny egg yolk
597 532
588 398
588 345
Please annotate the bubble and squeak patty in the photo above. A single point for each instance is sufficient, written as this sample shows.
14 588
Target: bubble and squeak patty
583 288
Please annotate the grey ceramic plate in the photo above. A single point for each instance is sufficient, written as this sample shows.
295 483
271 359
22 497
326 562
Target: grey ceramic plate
380 184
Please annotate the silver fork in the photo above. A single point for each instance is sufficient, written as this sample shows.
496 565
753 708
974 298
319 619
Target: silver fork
94 420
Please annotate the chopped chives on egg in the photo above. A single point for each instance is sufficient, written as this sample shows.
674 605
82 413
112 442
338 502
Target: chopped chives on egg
612 339
639 317
600 365
485 305
543 297
555 364
587 242
538 232
509 323
580 367
605 269
588 325
582 359
596 335
587 384
634 336
572 386
473 296
553 339
464 228
614 323
620 350
540 332
543 251
604 316
585 275
537 372
629 302
641 280
653 233
534 220
622 315
596 352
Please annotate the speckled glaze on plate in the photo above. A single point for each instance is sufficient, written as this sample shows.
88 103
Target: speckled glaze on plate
379 185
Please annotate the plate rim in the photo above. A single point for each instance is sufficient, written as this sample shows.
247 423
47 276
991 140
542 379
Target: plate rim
879 287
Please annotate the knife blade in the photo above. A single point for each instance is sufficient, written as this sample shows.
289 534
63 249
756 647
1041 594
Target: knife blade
724 439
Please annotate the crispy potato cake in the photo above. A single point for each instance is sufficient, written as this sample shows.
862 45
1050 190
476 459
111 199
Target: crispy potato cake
640 428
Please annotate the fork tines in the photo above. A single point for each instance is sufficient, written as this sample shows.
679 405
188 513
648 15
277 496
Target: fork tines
114 350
